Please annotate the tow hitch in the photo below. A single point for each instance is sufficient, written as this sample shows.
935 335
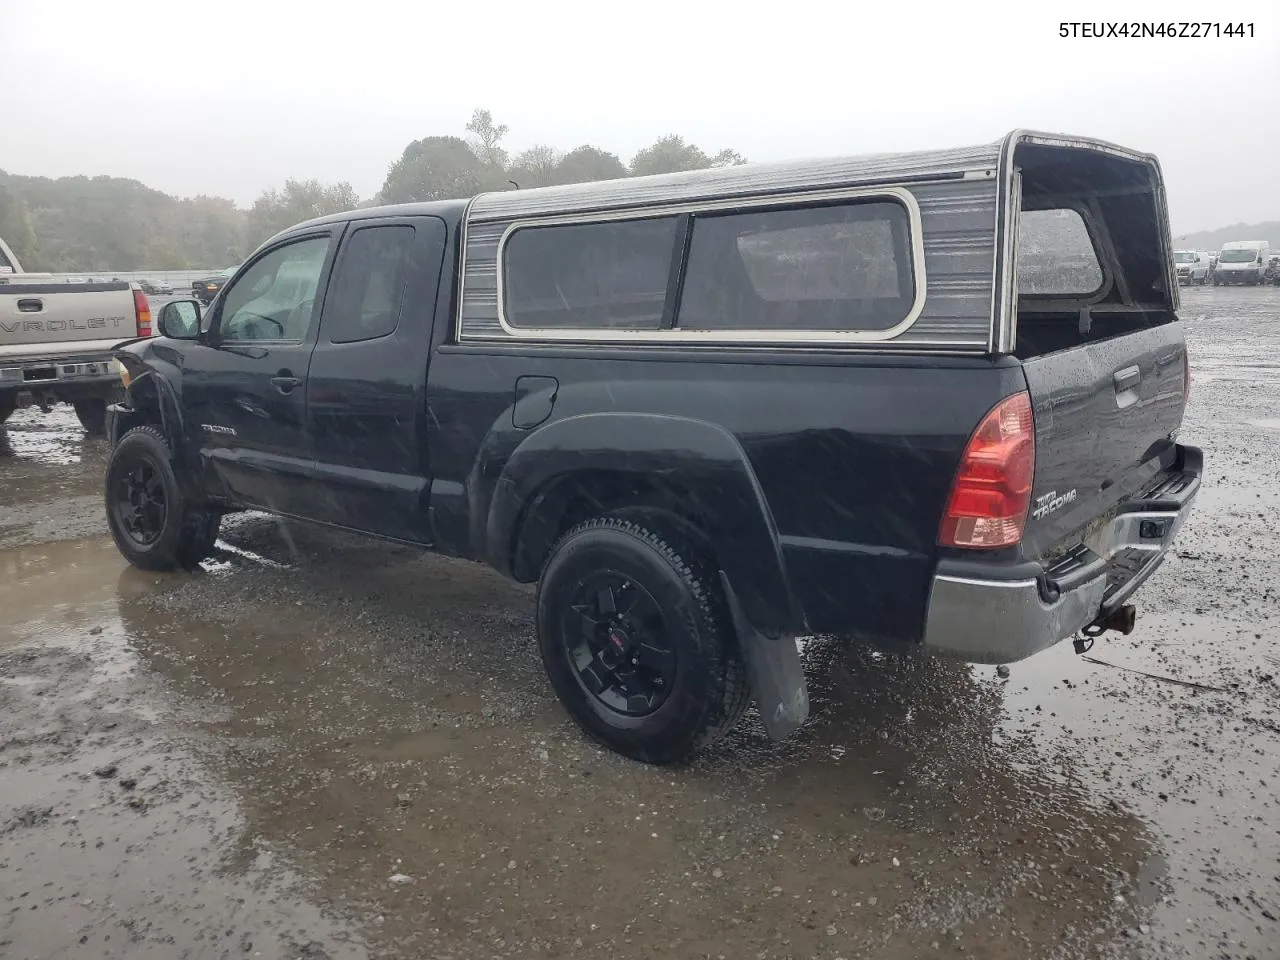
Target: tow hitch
1121 620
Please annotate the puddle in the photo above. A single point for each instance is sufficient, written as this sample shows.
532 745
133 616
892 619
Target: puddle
373 712
120 838
386 713
58 585
55 437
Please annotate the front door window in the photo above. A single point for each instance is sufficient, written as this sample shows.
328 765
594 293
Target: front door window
274 300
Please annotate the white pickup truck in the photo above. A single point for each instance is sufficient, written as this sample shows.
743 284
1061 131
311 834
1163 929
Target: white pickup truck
56 339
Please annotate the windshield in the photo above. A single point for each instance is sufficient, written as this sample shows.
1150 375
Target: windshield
1238 256
1184 256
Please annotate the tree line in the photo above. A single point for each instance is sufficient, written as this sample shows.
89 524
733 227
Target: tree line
101 224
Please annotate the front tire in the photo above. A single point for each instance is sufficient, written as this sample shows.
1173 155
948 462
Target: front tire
92 415
152 523
637 642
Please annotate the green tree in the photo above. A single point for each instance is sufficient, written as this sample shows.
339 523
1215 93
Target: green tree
16 229
535 167
217 232
437 168
487 137
670 154
728 158
108 224
300 200
588 163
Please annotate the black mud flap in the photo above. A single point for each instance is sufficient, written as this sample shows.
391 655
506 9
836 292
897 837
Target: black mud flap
774 671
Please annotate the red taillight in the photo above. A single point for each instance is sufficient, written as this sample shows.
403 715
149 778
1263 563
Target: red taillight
142 311
992 490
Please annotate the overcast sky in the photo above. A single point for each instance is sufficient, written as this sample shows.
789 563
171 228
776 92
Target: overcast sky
234 96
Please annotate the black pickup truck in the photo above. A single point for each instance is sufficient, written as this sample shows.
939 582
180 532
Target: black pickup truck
206 288
928 402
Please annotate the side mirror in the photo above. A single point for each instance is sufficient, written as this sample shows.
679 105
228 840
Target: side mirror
180 320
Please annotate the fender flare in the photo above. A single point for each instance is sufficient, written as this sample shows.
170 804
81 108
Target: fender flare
151 386
702 456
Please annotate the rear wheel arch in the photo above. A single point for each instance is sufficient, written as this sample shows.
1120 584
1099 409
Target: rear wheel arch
573 497
692 470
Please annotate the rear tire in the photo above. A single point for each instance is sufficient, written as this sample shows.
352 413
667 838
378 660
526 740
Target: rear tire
8 404
92 415
638 643
152 523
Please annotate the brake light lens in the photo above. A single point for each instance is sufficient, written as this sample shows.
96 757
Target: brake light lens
142 312
992 489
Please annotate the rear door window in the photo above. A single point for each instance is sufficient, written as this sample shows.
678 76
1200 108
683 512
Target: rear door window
609 275
844 267
367 291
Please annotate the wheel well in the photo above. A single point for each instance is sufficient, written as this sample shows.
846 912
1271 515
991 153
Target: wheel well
144 400
565 501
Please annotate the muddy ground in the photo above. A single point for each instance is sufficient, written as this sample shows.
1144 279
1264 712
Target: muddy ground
327 748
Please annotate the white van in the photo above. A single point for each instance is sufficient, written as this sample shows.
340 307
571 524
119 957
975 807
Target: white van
1193 266
1242 261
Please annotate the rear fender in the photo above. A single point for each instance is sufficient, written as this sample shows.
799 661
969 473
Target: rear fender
701 457
706 460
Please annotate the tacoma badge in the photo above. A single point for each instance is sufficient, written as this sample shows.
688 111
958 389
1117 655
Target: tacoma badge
1051 501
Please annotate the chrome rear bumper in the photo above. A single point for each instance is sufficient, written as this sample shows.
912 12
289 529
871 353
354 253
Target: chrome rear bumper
995 620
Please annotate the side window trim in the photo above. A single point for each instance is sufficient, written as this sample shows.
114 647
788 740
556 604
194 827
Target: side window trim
333 233
665 335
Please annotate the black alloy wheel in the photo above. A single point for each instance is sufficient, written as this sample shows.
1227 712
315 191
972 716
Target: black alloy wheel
153 524
139 503
637 639
617 640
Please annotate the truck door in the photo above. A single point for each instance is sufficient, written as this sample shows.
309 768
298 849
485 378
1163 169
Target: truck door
245 388
366 389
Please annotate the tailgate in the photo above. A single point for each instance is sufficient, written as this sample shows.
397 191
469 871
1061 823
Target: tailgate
37 315
1106 417
1097 332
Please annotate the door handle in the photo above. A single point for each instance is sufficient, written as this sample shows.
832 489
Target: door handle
285 384
1127 379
